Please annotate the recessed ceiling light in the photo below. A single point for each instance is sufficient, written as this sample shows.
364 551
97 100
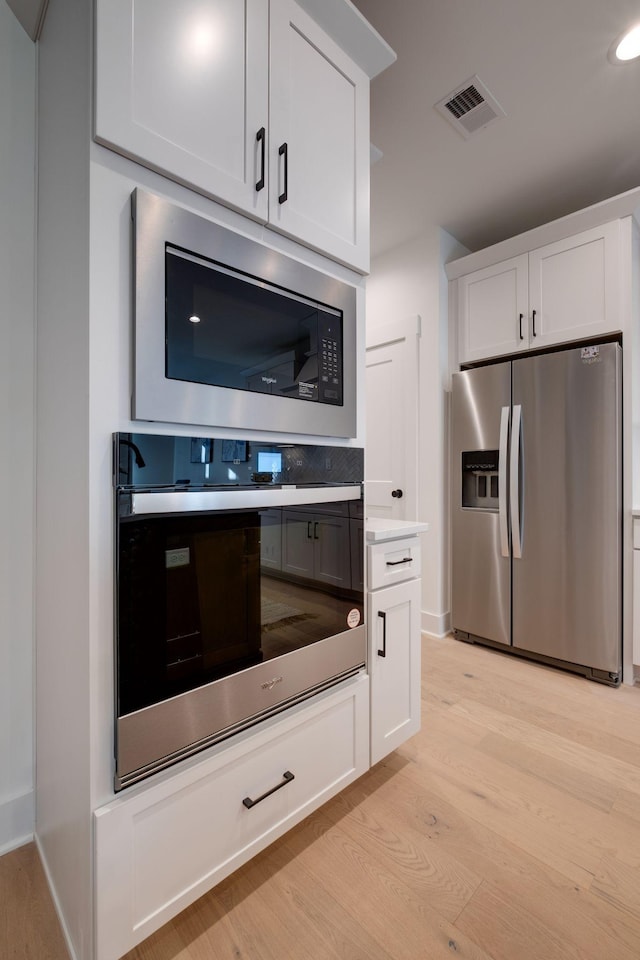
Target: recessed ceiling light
626 47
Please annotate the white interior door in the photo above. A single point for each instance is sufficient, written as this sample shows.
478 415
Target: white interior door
392 421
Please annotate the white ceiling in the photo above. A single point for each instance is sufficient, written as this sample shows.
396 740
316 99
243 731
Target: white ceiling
571 136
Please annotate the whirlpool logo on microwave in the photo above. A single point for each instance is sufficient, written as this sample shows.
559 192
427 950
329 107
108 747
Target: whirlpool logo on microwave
269 379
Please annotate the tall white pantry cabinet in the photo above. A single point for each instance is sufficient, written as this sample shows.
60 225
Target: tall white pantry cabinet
209 158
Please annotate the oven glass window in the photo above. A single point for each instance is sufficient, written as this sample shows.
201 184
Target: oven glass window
227 329
204 596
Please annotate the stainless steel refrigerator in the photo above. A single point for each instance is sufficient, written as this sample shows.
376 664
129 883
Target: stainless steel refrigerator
536 508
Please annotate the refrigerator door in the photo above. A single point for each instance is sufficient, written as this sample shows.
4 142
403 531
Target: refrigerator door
480 586
567 581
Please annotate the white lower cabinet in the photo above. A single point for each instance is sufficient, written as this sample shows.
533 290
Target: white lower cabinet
636 591
393 616
160 847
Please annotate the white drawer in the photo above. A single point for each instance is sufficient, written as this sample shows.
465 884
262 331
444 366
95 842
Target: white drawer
160 849
393 561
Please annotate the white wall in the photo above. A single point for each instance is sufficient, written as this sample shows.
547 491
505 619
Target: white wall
406 281
17 202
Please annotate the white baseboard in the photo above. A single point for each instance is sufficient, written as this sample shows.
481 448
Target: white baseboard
56 902
436 625
17 821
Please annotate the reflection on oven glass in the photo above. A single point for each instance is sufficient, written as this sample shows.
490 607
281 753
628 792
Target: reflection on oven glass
226 591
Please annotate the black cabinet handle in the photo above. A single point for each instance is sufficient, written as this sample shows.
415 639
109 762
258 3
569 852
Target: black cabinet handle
521 337
394 563
287 778
383 652
309 522
283 151
397 494
534 323
315 531
260 138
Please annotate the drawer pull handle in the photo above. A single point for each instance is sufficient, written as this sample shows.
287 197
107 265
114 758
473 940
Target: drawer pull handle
394 563
383 652
287 778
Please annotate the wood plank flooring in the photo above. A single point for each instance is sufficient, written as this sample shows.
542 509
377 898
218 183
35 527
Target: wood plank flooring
508 829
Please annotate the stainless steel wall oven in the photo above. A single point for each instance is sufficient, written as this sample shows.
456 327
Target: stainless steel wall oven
239 587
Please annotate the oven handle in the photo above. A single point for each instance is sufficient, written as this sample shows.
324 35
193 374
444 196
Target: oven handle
187 501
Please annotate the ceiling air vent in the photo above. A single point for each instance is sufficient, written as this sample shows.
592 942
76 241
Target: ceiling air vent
470 107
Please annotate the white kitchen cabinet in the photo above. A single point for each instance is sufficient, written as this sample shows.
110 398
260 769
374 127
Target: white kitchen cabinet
316 547
393 617
636 591
251 103
271 539
319 139
182 87
563 291
161 847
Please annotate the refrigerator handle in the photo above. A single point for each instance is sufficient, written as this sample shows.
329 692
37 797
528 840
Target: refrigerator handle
502 481
514 471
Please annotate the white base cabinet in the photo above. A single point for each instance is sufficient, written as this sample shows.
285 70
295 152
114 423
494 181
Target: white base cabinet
393 617
160 847
567 290
394 626
636 591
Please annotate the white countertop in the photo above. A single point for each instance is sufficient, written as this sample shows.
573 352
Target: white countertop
378 529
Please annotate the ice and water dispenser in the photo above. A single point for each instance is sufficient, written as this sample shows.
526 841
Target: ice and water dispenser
480 479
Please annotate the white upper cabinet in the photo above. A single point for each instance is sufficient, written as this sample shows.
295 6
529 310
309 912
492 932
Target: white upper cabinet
182 87
493 305
249 102
574 287
319 139
567 290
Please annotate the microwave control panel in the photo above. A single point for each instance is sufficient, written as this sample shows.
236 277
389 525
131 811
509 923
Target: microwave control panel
330 365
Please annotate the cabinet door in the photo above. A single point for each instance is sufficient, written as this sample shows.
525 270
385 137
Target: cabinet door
182 87
636 592
332 551
271 539
316 547
493 310
297 543
319 139
394 666
573 287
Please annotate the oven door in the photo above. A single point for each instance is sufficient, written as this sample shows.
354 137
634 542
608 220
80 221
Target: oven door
231 605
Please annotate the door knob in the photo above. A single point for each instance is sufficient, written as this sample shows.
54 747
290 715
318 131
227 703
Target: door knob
396 493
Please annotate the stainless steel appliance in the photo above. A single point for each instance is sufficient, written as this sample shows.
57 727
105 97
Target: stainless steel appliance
536 508
239 587
229 332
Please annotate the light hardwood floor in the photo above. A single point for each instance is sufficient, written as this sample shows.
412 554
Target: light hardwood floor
508 829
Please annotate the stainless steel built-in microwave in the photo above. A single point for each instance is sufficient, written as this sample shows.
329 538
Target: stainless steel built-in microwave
230 333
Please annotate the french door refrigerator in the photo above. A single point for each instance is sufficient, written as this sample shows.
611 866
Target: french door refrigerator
536 508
